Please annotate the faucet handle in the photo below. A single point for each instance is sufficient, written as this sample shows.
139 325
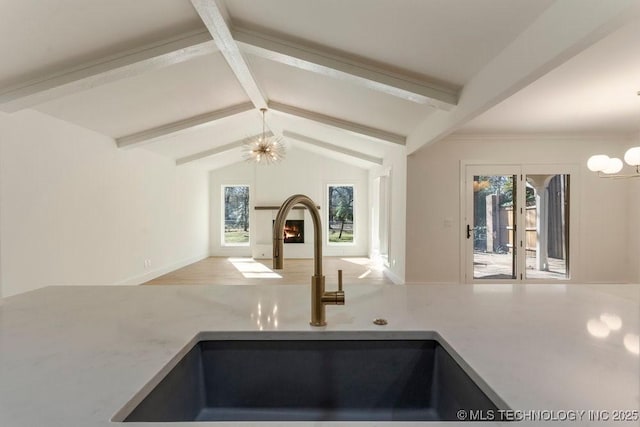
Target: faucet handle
334 297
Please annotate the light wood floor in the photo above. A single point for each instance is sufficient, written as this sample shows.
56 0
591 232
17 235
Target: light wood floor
247 271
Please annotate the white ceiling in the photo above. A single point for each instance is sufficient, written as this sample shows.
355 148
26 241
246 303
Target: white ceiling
435 38
207 136
39 37
220 160
330 135
596 91
337 98
354 83
151 99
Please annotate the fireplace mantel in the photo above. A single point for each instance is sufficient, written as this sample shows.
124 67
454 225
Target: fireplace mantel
275 208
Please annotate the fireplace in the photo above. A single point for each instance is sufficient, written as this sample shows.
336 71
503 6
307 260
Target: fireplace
294 231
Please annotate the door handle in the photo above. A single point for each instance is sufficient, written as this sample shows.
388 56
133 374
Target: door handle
469 231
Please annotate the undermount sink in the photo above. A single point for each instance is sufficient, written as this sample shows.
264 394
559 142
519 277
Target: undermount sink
328 376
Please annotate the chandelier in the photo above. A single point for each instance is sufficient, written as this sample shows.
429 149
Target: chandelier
266 149
609 167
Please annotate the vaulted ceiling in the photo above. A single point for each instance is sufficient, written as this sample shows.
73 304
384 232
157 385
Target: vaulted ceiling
347 78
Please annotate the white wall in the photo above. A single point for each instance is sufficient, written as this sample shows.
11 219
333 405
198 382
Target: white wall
433 205
74 209
634 221
634 231
302 172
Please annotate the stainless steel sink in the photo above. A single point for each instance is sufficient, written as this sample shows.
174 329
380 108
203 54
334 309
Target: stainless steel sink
313 376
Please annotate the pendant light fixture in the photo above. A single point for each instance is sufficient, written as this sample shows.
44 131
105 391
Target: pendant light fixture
610 167
266 149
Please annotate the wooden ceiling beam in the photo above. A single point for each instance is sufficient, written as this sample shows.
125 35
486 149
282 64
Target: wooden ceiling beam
332 147
218 150
144 137
546 44
215 17
356 128
122 65
344 68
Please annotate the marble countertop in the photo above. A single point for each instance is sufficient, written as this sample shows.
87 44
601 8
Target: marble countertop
74 356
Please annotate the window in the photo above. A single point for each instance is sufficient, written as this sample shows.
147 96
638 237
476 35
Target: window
340 214
235 215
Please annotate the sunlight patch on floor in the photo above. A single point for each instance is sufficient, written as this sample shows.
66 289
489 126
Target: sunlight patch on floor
358 261
365 274
371 263
251 269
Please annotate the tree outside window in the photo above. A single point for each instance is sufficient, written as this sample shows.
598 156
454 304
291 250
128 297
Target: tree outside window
341 219
236 214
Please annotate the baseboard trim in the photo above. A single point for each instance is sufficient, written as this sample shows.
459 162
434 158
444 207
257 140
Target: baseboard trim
150 275
436 283
397 280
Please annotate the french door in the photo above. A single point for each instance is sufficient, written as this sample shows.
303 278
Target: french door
516 223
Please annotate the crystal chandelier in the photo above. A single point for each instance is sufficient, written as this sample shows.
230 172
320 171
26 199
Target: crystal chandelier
266 149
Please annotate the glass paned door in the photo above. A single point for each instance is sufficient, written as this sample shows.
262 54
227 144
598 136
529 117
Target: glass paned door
517 220
492 227
547 226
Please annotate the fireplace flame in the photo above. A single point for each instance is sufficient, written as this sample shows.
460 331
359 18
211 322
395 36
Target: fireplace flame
292 231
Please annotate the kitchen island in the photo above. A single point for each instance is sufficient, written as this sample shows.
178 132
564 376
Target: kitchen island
74 356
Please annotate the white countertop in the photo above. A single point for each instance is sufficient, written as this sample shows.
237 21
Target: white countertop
73 356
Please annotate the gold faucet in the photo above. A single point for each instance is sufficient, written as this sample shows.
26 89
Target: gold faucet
319 298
